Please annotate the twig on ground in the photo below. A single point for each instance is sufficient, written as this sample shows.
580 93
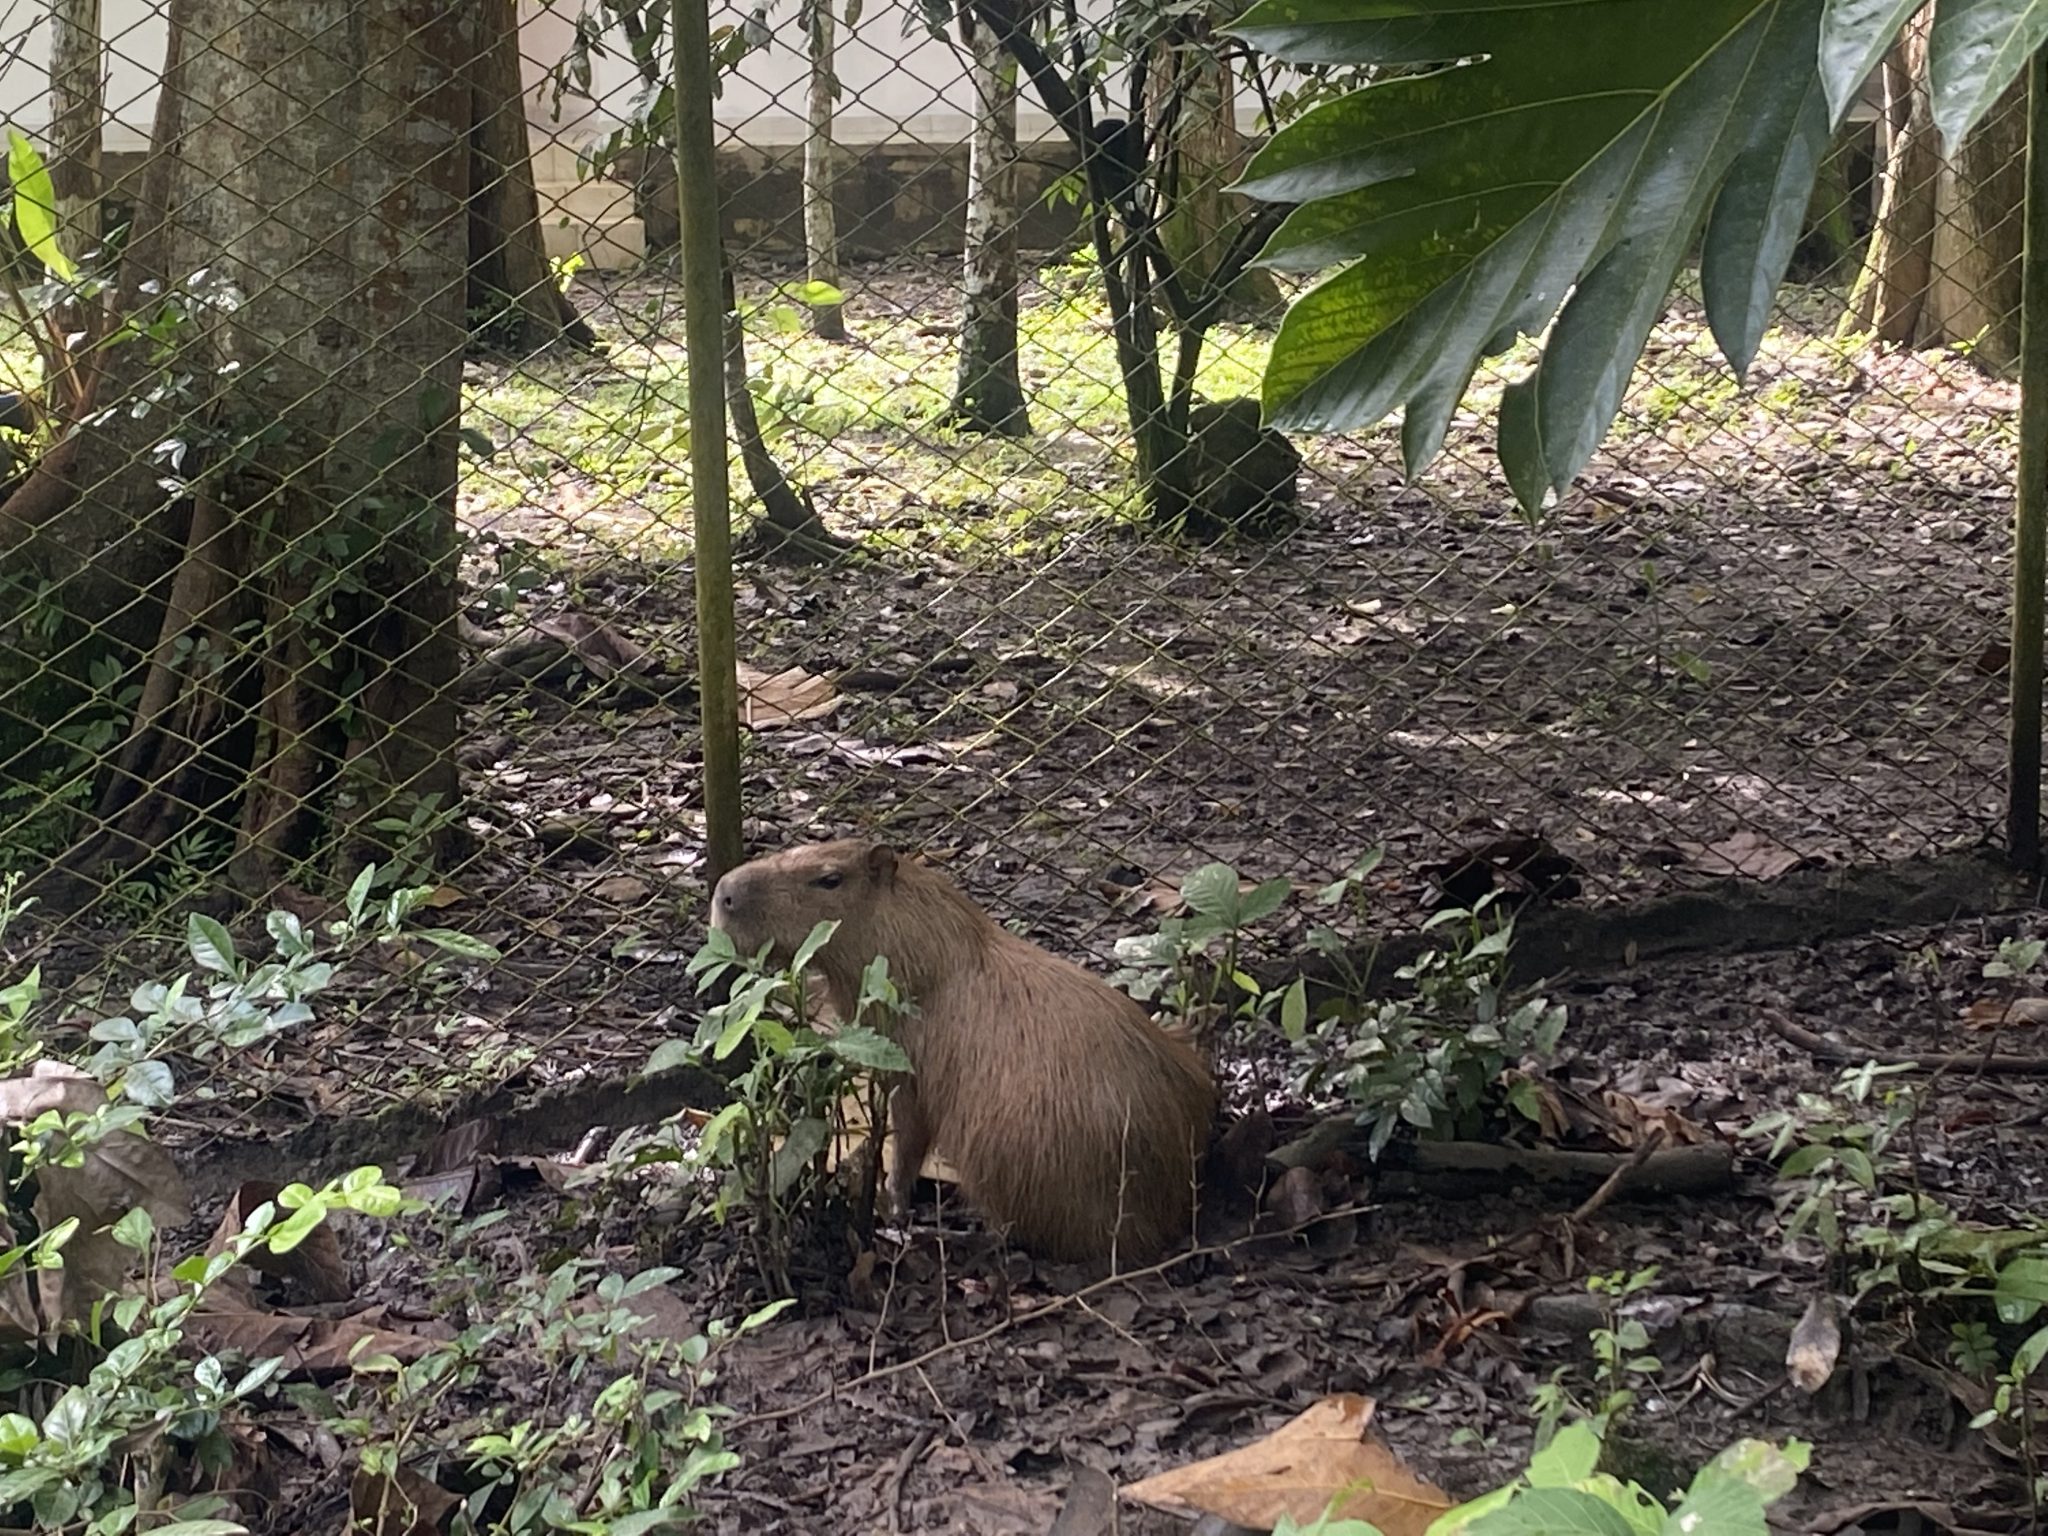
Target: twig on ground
1824 1049
1057 1304
892 1495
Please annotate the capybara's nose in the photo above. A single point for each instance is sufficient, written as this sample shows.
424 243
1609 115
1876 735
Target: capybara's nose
724 900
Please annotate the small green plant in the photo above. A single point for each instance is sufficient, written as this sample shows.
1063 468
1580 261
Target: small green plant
1194 964
1433 1059
1565 1490
771 1144
1832 1155
624 1444
1619 1362
110 1396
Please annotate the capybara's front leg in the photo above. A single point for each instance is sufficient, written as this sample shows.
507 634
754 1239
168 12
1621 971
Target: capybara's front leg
913 1139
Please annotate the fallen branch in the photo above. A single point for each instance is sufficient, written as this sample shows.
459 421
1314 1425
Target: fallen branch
1647 1170
1824 1049
1690 1170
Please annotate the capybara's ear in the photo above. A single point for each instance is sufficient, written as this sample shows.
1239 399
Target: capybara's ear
882 863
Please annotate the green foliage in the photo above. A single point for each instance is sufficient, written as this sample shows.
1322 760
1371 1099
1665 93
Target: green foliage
35 206
1433 1058
1192 963
622 1453
1619 1360
1579 149
1563 1490
1847 1184
771 1143
1834 1156
114 1392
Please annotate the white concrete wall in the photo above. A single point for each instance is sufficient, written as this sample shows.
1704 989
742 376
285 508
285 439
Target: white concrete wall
898 83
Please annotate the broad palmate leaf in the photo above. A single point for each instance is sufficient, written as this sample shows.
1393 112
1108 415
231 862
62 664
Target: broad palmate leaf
1573 159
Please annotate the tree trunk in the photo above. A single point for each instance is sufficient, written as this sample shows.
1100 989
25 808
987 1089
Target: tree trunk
988 392
821 235
790 528
514 301
300 686
1979 229
78 113
1194 108
1892 286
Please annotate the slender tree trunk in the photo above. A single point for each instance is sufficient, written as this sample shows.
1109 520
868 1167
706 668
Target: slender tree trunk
1979 229
514 301
1194 108
300 686
821 234
988 392
790 528
78 113
1892 286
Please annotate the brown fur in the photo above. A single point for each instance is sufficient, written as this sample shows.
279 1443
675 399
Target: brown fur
1073 1120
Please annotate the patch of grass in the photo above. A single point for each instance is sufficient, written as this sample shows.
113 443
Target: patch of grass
609 441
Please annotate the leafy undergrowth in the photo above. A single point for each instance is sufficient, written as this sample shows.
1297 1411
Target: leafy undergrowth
523 1338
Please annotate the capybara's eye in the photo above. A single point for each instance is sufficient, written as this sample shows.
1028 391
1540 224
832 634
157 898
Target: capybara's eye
828 882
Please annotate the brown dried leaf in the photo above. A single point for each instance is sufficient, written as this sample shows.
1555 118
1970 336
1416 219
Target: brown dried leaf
18 1320
1631 1122
1999 1012
1329 1450
460 1146
1752 855
768 700
1295 1198
621 890
317 1348
315 1265
405 1504
118 1174
604 653
1816 1346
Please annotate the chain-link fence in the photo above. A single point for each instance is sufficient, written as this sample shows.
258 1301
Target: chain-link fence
1764 630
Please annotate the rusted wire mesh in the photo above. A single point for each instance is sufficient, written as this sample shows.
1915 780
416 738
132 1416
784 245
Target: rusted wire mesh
1764 630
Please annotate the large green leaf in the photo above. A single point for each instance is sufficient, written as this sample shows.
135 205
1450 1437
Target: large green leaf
1978 47
1854 35
1564 170
35 206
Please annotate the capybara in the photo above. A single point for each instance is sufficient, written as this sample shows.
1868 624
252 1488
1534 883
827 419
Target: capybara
1075 1123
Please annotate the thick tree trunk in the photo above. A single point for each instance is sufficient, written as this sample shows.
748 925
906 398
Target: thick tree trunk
1892 287
514 301
1979 230
300 687
821 233
988 391
1194 108
78 113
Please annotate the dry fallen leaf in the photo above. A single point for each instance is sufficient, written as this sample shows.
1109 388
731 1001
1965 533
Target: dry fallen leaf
316 1348
768 700
1816 1345
1327 1451
621 890
1752 855
1998 1012
117 1174
404 1504
606 654
315 1264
